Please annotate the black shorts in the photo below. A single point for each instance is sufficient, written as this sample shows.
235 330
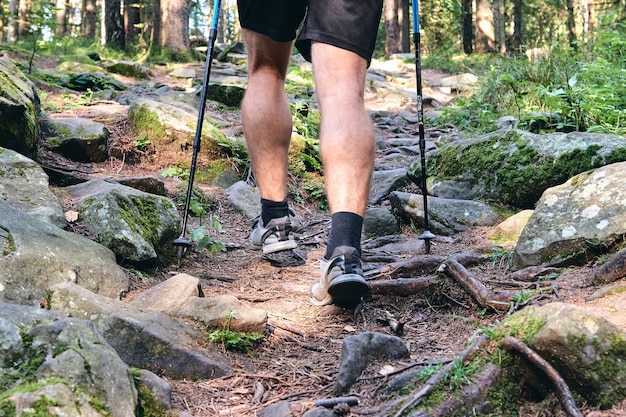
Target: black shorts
347 24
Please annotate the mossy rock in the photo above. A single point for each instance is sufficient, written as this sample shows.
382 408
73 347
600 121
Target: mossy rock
515 167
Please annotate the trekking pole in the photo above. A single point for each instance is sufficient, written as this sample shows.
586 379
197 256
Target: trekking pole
182 243
427 236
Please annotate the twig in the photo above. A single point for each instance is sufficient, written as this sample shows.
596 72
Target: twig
564 394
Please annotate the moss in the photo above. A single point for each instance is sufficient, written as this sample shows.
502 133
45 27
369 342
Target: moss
616 155
146 123
10 247
148 404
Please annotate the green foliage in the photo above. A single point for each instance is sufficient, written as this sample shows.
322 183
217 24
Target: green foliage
584 94
148 404
230 340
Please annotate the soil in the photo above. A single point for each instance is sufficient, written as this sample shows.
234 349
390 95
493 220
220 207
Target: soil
299 358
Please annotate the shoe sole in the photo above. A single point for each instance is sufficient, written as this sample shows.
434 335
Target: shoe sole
279 246
348 290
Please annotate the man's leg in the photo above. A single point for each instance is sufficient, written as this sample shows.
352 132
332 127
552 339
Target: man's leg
347 148
267 128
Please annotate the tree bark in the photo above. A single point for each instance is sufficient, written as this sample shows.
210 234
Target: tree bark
113 24
88 19
571 25
485 35
518 26
131 19
174 26
468 27
499 26
404 18
61 18
1 22
23 26
12 27
392 28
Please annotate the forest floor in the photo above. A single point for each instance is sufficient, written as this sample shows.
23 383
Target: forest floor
299 360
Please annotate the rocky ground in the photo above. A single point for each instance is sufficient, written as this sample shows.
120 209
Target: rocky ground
299 358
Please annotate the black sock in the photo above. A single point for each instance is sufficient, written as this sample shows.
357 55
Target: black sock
273 209
345 231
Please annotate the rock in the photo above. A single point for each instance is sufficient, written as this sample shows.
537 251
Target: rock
51 357
78 139
380 222
93 80
136 226
515 167
147 184
278 409
85 360
384 182
447 216
245 198
575 220
128 69
319 412
170 295
143 338
459 82
159 387
587 351
36 255
183 72
507 233
24 185
19 109
359 350
230 95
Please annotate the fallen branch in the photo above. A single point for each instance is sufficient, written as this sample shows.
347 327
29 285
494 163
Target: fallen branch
402 286
531 273
395 325
563 392
331 402
423 265
475 288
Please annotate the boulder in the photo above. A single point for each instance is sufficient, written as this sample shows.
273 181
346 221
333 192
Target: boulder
19 109
77 139
35 255
575 221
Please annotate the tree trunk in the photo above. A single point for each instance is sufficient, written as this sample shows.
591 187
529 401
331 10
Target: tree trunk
88 19
12 27
571 25
113 24
392 28
23 27
499 26
1 22
518 26
174 26
61 18
131 19
404 18
468 27
485 34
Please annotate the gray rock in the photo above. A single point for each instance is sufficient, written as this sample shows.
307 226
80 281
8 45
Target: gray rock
78 139
179 297
24 185
359 350
447 216
19 109
85 360
143 338
515 167
245 198
384 182
183 72
128 69
147 184
380 222
136 226
161 389
278 409
574 220
70 403
35 255
319 412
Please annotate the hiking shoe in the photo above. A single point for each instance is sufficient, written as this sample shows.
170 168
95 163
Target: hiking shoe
341 282
274 237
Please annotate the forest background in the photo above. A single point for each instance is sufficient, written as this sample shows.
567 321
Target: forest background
559 56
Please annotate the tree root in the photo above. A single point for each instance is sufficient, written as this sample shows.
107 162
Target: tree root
563 392
422 265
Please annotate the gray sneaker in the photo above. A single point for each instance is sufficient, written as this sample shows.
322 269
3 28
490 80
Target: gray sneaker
341 282
274 237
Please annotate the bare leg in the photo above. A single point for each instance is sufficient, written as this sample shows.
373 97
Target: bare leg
347 135
265 113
